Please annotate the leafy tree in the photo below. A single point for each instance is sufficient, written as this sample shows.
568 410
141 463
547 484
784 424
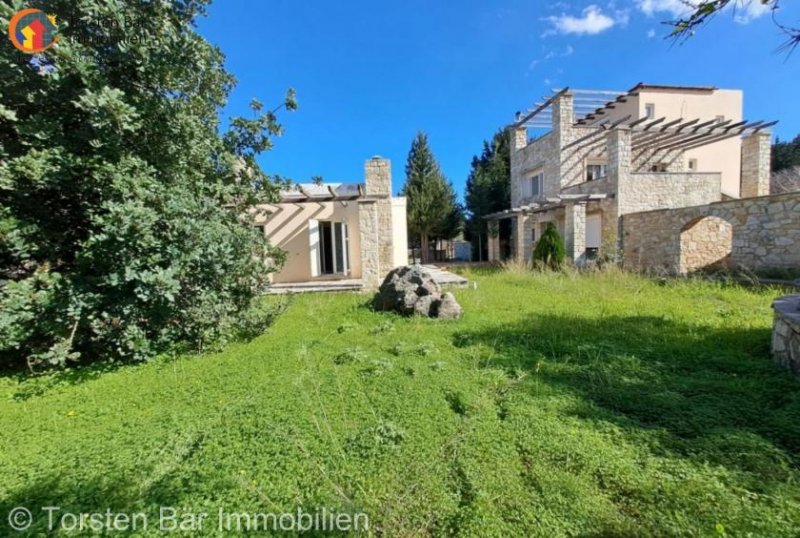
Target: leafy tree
488 191
702 11
123 209
550 248
785 154
433 209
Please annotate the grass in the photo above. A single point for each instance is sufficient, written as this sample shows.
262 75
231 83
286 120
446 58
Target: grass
560 405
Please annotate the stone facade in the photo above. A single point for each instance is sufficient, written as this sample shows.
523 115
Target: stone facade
756 165
765 234
575 231
375 220
630 187
786 333
706 243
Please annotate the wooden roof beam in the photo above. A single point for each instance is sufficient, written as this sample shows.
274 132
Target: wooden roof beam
653 123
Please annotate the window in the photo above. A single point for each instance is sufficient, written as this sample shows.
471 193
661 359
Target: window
534 185
720 119
658 167
650 110
693 165
595 171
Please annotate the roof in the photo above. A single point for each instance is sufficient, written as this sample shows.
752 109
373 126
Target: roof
590 104
322 192
669 87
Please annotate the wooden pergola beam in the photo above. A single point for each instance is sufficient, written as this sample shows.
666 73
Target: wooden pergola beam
594 134
739 132
679 136
647 139
692 136
541 107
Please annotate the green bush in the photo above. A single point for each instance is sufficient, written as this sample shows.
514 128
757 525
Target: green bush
124 225
550 248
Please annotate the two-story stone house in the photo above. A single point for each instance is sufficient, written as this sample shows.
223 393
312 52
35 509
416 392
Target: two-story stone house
610 155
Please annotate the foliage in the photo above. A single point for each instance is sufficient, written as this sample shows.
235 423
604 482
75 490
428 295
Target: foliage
785 154
123 225
549 249
599 404
433 209
488 191
702 11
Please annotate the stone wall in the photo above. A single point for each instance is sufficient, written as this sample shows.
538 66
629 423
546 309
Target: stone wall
663 190
786 333
706 243
766 233
756 165
375 220
541 153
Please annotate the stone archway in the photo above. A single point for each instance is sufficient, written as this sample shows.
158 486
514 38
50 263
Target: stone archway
706 244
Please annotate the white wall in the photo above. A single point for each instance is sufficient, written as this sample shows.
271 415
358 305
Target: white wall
399 232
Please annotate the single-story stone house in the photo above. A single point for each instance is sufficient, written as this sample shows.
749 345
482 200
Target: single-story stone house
664 178
351 233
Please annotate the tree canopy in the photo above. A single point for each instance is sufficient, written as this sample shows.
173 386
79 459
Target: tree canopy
785 154
433 210
488 190
124 223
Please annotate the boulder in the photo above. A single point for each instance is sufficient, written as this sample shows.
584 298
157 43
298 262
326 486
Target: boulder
412 290
448 307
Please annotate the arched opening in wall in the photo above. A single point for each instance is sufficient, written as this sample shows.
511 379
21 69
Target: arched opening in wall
706 244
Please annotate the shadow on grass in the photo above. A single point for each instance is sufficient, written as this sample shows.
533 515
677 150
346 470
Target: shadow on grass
32 385
694 387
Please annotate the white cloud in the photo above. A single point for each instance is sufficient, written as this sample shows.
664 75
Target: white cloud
751 10
744 10
675 8
622 17
591 22
651 33
569 50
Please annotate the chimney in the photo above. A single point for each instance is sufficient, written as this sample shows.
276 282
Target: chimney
378 176
756 165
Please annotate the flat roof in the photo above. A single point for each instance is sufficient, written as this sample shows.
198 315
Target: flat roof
643 86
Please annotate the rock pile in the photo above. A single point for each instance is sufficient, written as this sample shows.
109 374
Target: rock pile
411 290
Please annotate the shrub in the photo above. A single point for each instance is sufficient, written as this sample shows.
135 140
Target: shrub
124 212
550 248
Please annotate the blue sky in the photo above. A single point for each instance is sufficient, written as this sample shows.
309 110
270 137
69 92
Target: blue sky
369 75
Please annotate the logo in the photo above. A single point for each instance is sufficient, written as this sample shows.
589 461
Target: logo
32 31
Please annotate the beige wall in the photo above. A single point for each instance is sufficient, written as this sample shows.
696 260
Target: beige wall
399 232
287 228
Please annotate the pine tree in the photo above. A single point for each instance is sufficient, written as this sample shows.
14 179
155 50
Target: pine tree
433 209
488 190
550 248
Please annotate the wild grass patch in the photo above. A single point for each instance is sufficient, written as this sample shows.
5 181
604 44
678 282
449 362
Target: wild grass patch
560 404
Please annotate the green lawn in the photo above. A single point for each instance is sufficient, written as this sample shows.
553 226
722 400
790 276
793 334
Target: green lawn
598 405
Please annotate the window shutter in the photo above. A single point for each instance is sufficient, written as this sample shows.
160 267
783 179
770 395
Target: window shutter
313 244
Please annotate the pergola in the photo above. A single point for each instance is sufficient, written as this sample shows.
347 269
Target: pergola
647 134
326 192
546 204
